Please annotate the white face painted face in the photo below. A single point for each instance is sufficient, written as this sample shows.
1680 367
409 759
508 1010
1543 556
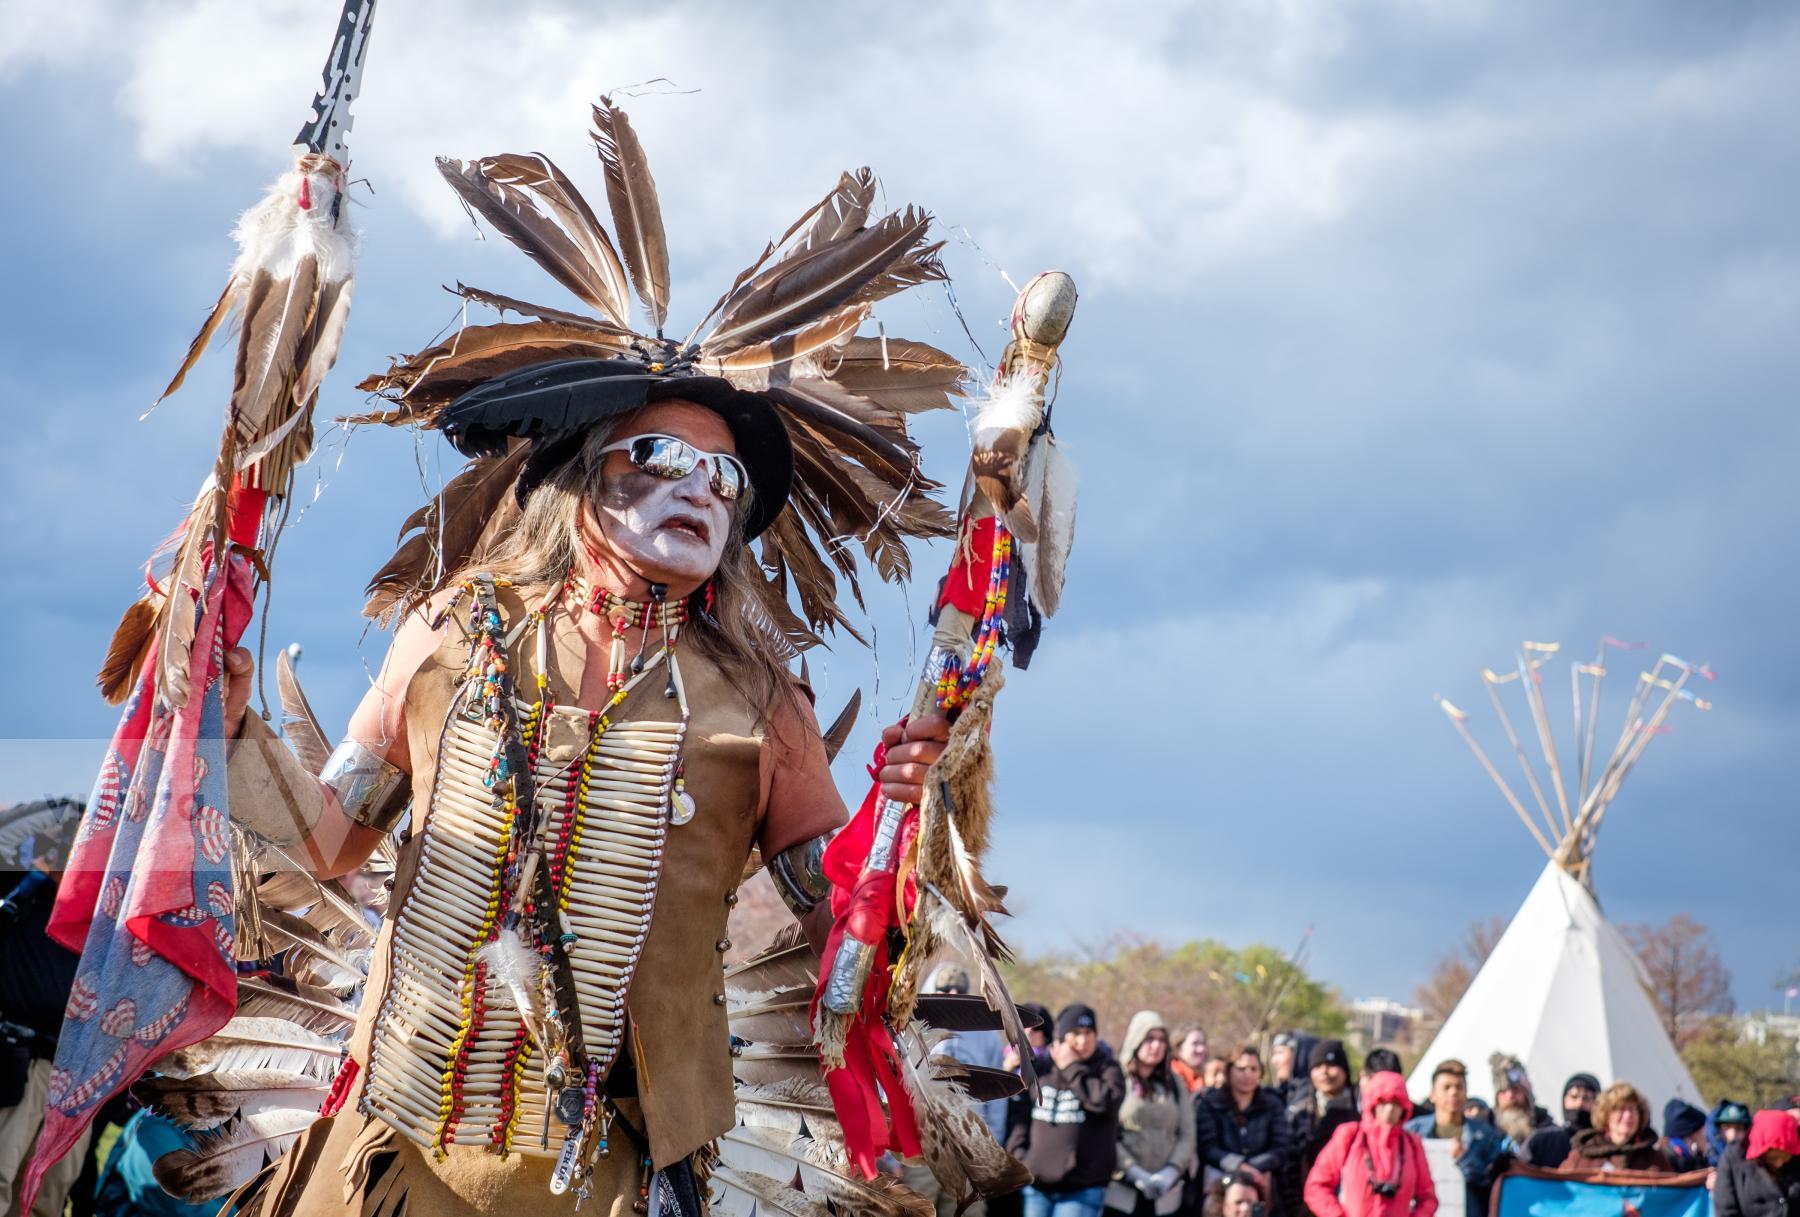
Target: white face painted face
670 532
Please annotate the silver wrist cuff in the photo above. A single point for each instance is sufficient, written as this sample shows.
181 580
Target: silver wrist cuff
799 875
372 792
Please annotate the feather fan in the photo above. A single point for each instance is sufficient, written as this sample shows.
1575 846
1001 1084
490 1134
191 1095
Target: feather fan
780 1155
788 961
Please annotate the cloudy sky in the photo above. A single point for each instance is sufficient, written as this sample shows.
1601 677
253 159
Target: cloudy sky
1408 331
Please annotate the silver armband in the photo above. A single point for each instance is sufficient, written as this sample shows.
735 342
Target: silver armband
799 875
372 792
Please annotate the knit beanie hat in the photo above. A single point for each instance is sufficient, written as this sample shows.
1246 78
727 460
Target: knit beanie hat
1681 1119
1585 1080
1329 1052
1075 1016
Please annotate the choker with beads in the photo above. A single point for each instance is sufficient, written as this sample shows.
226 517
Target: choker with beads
624 615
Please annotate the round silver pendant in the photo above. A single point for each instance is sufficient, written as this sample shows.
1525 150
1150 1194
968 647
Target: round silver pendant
681 807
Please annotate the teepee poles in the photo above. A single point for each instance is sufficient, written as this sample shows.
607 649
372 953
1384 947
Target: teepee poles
1459 720
1534 697
1493 680
1571 844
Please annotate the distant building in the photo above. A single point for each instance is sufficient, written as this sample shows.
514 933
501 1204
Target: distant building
1758 1027
1377 1020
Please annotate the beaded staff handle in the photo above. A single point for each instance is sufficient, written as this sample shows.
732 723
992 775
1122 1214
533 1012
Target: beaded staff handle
964 642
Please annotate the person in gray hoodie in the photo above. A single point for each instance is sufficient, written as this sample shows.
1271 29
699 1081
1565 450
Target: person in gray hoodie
1156 1125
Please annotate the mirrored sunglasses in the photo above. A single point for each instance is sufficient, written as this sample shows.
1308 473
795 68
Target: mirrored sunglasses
664 456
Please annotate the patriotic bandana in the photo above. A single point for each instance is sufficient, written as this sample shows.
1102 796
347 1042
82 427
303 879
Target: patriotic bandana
147 898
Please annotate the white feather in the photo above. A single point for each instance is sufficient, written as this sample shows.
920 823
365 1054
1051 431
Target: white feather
277 232
1051 489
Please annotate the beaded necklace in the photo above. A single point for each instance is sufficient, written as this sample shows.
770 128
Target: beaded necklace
624 615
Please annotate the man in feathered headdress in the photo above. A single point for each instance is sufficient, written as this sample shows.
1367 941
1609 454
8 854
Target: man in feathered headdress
588 709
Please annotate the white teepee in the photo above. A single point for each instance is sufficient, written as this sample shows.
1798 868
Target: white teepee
1562 990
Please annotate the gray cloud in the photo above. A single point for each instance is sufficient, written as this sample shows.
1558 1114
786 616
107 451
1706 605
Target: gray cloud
1408 331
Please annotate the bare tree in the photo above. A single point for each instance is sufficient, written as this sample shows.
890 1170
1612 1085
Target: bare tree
1455 972
1688 981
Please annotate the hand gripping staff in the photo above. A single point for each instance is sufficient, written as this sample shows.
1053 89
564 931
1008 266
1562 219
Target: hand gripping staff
906 881
150 895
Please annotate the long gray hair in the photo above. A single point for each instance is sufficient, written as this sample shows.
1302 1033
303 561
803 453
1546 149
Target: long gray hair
543 545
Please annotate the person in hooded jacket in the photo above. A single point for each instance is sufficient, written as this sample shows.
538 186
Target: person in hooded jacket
1684 1136
1728 1121
1156 1125
1374 1168
1070 1143
1243 1126
1760 1177
1622 1138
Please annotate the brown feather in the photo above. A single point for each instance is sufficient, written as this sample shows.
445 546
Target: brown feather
789 959
513 214
537 174
224 1160
543 312
298 722
277 328
207 1100
778 1154
795 293
637 216
129 648
841 726
895 374
449 528
196 348
742 365
255 1043
839 213
956 1142
429 380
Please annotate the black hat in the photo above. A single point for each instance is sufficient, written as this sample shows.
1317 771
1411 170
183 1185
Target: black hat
1075 1016
553 405
1329 1052
1585 1080
1036 1014
1681 1119
1730 1112
1382 1060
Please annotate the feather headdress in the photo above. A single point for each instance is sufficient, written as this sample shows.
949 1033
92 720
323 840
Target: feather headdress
786 330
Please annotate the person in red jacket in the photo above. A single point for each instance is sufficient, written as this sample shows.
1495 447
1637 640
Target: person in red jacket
1374 1168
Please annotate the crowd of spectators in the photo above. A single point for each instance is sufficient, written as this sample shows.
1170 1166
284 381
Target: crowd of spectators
1161 1126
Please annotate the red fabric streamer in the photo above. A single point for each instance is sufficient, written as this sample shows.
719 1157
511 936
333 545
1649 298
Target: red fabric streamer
863 906
966 586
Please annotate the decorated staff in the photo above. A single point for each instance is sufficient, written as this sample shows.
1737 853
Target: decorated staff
911 875
151 896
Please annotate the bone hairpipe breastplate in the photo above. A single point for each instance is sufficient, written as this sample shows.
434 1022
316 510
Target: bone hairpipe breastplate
450 1061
